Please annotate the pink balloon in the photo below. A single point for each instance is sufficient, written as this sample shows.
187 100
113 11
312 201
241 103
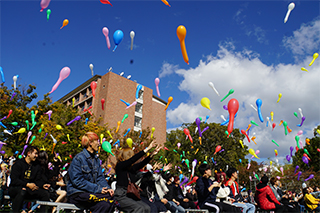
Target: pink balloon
300 132
157 81
250 178
281 169
257 152
265 169
105 32
64 73
179 144
44 4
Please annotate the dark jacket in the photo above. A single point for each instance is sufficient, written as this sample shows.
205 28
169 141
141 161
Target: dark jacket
203 193
23 173
85 174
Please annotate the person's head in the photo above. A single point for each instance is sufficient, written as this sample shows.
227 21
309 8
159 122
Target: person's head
310 189
264 179
31 153
176 180
205 169
43 158
232 173
305 191
125 154
273 181
90 141
220 177
168 177
316 189
4 167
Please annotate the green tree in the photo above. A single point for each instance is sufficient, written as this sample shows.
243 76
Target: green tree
231 155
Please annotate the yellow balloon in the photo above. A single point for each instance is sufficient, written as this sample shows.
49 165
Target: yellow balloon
36 112
318 131
252 152
152 131
58 127
129 142
109 133
181 33
21 130
241 143
315 56
64 23
205 102
276 151
270 163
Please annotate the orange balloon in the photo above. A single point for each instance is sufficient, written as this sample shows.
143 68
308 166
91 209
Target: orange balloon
119 122
64 23
181 33
169 101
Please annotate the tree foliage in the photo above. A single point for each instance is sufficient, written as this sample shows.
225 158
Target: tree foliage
232 155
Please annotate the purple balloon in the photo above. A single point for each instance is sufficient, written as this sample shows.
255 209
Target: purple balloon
198 124
305 159
299 174
291 150
206 128
288 158
2 151
225 107
310 177
75 119
297 167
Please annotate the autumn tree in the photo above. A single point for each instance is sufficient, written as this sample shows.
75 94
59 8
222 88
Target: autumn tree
231 154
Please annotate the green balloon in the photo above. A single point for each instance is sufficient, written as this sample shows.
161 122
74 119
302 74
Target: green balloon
297 138
200 118
285 124
27 122
295 114
254 123
187 162
227 133
306 151
273 141
48 14
124 117
19 156
205 162
257 177
14 123
32 139
106 146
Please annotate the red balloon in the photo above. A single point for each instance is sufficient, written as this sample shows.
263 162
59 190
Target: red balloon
218 148
93 86
187 132
244 132
102 103
10 111
195 178
318 150
304 154
105 2
273 126
297 149
233 106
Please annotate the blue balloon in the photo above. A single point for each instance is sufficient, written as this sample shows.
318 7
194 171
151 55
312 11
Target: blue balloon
2 75
16 152
259 104
240 160
117 38
227 120
139 87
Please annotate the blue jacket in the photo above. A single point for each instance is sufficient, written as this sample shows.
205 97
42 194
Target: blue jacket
203 193
85 174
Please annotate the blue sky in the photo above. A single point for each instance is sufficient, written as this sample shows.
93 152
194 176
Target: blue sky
240 45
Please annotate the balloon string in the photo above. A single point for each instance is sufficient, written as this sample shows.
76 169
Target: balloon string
115 48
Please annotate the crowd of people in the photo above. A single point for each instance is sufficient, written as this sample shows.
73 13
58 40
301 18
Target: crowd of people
137 185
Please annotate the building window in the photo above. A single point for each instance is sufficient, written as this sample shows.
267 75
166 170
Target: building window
139 107
76 99
137 121
81 106
140 94
89 102
84 94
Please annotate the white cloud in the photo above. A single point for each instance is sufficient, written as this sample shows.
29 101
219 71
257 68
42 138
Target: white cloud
167 69
306 40
252 79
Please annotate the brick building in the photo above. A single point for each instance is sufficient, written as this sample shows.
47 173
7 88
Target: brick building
148 112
